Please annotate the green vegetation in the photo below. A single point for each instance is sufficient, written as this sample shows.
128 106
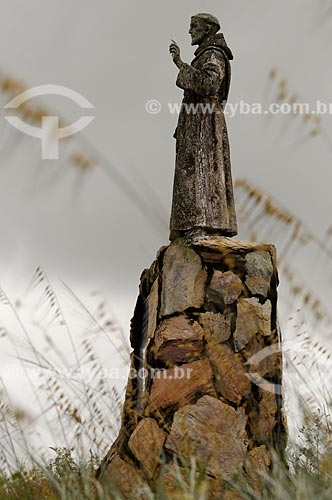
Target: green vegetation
309 475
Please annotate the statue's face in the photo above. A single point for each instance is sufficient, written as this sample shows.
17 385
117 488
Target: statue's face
199 30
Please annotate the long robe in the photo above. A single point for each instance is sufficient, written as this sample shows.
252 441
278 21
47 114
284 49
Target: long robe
203 190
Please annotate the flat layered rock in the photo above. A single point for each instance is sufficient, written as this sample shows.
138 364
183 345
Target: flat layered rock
260 458
125 478
146 443
259 269
213 432
263 360
206 314
153 302
224 245
217 327
173 489
224 289
262 420
179 385
252 318
178 340
230 376
183 280
231 495
176 482
259 461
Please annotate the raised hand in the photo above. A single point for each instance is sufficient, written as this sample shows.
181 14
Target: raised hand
175 52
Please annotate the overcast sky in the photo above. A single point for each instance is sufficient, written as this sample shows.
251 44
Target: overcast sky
84 230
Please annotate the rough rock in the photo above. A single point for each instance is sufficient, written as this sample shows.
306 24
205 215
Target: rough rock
213 432
262 419
259 462
259 269
206 314
260 458
172 487
225 288
217 327
146 443
183 280
263 360
179 385
153 302
252 318
231 495
178 340
176 483
225 246
125 478
230 377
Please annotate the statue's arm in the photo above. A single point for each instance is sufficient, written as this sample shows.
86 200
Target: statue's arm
207 80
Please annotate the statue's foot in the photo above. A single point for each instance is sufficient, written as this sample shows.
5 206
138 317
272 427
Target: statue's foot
200 232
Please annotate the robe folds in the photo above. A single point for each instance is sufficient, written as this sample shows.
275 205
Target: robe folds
203 190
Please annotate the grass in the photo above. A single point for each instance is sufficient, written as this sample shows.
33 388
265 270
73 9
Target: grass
79 409
308 476
82 413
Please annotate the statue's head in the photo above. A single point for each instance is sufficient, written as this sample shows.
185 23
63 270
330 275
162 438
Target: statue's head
203 26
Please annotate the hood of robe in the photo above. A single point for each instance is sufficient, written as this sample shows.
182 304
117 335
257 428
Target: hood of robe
217 40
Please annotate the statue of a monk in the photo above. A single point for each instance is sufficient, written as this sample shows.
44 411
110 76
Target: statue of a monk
203 200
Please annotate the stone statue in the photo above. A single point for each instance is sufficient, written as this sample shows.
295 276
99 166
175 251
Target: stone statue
203 200
206 307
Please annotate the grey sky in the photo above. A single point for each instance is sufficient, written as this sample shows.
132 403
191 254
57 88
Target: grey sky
116 54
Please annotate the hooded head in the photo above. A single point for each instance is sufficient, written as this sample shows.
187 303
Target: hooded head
204 30
203 26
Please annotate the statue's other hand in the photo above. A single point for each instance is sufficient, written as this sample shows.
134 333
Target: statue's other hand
175 52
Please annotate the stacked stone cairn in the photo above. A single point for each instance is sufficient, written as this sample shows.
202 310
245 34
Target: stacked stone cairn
206 371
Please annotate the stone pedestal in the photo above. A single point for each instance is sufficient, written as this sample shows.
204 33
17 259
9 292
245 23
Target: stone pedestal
206 374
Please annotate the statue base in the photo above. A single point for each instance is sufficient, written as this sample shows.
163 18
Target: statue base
206 369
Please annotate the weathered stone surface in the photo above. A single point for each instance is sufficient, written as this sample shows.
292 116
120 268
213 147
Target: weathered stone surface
178 340
203 199
232 495
216 489
178 386
252 318
259 272
172 487
131 400
262 419
183 280
153 302
230 377
225 288
125 478
146 443
177 484
260 458
213 432
263 360
198 334
225 246
217 327
259 462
